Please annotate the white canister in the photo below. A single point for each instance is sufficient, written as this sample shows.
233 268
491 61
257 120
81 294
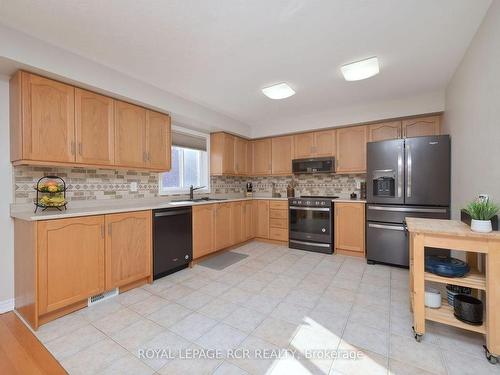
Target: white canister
432 298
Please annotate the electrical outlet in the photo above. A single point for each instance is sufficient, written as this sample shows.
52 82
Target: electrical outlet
484 197
133 187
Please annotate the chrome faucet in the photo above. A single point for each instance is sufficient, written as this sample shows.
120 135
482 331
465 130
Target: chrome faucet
191 191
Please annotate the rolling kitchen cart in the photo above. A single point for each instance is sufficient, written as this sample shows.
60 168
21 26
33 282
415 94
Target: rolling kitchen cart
455 235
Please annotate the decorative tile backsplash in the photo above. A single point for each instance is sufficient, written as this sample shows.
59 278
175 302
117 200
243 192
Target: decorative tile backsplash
94 184
86 184
306 184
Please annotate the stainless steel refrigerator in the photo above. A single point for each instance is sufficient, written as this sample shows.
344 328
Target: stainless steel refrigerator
405 178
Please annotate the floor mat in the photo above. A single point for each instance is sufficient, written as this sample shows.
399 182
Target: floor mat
223 260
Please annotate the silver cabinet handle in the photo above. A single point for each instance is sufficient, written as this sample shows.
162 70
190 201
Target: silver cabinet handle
389 227
408 170
309 208
80 148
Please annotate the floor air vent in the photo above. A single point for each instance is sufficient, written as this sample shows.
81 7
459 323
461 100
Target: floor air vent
103 296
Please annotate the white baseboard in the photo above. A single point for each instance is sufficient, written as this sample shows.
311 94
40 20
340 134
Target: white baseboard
6 305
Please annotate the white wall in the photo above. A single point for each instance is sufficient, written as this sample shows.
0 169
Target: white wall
18 50
472 116
6 230
373 111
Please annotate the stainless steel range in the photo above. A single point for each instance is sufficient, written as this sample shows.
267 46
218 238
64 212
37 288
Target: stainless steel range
311 223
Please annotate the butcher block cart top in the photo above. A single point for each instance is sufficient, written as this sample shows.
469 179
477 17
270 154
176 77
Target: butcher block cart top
455 235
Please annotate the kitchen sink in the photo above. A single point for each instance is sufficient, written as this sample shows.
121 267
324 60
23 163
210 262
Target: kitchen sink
187 201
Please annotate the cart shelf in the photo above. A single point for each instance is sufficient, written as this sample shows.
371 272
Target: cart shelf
445 315
473 280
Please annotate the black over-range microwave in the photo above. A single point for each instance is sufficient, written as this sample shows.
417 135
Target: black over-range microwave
314 165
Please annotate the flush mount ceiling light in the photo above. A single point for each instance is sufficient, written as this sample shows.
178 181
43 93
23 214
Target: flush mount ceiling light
359 70
279 91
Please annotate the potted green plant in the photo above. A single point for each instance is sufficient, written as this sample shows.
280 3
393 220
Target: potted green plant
481 211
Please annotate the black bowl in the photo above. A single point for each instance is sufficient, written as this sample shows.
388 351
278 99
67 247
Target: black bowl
468 309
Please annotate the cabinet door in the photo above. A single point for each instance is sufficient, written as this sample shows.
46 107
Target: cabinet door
351 150
222 225
248 225
303 145
261 151
423 126
324 143
203 230
94 125
159 141
48 119
384 131
282 148
128 248
261 218
237 221
222 154
240 156
228 155
70 261
350 228
130 135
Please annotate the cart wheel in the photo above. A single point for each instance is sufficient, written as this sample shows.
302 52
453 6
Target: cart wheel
490 357
418 336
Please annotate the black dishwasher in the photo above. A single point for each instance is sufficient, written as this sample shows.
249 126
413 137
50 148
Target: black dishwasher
172 240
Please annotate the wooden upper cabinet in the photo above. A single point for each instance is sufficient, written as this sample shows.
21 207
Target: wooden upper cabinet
314 144
240 156
324 143
130 135
203 230
422 126
42 119
350 228
282 150
303 145
128 248
223 235
70 261
384 131
351 149
159 141
261 152
94 125
222 147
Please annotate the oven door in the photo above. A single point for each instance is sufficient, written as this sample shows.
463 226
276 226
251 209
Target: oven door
311 224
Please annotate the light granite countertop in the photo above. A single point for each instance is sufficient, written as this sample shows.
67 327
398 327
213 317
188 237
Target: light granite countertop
103 207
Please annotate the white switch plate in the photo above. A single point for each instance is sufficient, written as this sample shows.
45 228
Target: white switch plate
133 187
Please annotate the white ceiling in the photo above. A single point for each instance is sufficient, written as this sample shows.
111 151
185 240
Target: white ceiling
221 53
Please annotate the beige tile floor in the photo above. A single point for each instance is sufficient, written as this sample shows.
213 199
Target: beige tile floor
276 298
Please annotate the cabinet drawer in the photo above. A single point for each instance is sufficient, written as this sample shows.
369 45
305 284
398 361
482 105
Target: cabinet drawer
278 234
278 214
278 205
278 223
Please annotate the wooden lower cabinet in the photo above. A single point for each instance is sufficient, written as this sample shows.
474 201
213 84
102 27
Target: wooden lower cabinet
237 221
278 220
203 230
248 227
261 218
60 263
350 228
222 225
128 248
70 261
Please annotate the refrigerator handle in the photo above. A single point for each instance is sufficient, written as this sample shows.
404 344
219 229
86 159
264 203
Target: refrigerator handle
408 170
400 172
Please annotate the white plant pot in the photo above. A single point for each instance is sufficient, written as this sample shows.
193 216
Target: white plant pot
482 226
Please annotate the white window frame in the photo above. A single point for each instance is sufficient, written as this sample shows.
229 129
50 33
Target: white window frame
175 191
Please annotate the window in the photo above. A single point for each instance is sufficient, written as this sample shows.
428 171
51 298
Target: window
189 163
